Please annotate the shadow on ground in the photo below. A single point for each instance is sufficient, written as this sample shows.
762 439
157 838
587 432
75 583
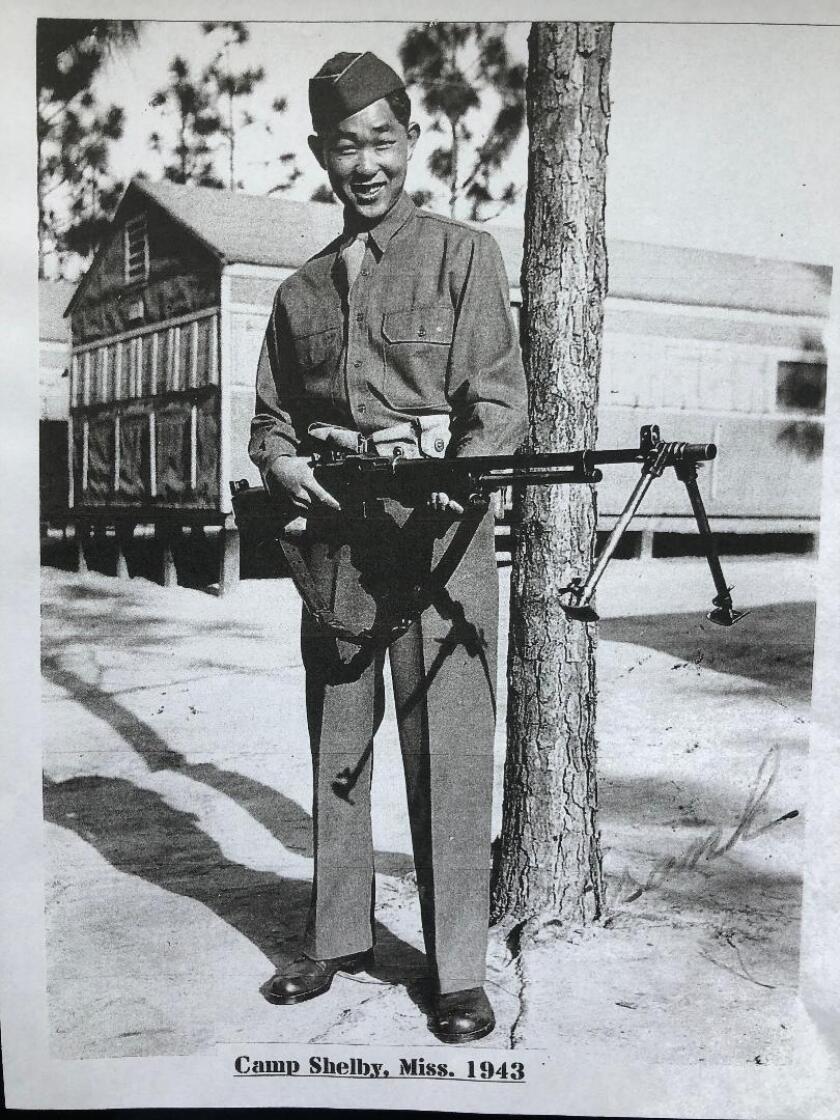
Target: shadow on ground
139 834
117 622
645 882
773 644
282 816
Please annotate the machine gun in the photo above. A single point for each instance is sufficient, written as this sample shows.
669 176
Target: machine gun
362 480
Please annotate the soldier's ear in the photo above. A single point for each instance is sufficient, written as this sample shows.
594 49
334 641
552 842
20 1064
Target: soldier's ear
316 146
413 131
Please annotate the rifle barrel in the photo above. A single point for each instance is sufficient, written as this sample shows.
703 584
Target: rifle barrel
577 460
489 464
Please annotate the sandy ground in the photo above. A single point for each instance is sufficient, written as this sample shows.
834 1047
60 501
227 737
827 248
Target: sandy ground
177 800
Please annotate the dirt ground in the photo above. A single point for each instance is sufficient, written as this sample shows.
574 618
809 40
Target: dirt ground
177 801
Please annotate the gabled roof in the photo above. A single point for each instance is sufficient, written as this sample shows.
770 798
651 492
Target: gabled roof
673 274
257 229
53 297
238 228
249 228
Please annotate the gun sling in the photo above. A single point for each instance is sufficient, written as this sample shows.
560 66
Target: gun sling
397 620
423 437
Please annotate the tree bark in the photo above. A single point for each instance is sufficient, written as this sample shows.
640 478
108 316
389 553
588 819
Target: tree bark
549 860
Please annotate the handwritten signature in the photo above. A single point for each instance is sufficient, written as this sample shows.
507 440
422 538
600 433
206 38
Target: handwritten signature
715 844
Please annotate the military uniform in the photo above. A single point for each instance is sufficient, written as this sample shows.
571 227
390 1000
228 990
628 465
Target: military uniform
425 328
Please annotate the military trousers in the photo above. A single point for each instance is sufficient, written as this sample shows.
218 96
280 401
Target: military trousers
443 670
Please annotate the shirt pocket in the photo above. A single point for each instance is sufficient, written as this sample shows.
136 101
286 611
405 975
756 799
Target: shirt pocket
416 349
318 355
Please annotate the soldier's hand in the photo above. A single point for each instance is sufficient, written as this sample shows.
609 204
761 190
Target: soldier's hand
291 477
441 501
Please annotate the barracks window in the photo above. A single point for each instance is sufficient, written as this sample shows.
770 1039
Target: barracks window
800 387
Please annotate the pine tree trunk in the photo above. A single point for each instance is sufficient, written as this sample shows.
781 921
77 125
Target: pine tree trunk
42 256
184 176
232 155
549 860
453 174
42 210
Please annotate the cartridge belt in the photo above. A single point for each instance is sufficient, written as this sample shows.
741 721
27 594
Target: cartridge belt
422 437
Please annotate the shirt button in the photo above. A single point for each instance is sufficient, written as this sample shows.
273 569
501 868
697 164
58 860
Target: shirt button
360 318
362 408
357 364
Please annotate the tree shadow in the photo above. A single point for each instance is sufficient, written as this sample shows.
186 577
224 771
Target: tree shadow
673 838
774 644
801 387
723 891
684 803
117 626
138 833
78 592
282 816
198 868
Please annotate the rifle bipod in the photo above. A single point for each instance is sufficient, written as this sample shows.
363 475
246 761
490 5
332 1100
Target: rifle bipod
657 456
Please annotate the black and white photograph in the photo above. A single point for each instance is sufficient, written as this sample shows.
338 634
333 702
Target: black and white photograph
420 649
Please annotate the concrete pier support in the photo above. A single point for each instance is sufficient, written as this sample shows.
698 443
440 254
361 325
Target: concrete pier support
229 566
82 534
125 535
164 535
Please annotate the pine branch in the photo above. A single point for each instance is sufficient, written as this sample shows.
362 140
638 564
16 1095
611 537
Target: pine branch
62 108
505 204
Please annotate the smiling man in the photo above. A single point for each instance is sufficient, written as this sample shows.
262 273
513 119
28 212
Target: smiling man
399 333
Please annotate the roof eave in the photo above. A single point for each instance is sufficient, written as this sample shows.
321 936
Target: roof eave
140 186
185 225
83 283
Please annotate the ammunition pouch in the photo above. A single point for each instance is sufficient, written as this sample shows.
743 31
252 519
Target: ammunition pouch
423 437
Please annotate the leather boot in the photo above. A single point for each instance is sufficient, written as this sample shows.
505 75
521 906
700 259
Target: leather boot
463 1016
306 978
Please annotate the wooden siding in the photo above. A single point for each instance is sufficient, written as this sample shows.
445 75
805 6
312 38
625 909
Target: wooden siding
182 278
146 417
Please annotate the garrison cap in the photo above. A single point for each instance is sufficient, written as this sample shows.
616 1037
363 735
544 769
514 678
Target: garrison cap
346 83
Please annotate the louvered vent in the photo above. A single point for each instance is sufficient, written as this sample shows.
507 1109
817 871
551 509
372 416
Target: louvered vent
136 246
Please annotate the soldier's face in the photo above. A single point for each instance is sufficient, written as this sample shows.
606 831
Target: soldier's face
366 158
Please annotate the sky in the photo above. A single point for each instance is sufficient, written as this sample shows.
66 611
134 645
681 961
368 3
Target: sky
722 137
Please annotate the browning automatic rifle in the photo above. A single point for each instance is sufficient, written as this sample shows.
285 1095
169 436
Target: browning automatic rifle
361 480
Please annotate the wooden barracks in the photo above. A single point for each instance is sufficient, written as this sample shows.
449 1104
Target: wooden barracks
167 324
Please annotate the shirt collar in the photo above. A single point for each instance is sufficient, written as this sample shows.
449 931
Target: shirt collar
383 231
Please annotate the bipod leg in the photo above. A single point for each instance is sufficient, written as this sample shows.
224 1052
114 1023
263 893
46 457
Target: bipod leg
724 614
581 608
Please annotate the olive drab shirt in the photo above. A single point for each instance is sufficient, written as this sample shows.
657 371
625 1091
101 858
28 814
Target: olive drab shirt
426 328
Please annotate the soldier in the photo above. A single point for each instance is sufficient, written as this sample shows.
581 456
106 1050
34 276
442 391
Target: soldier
399 332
